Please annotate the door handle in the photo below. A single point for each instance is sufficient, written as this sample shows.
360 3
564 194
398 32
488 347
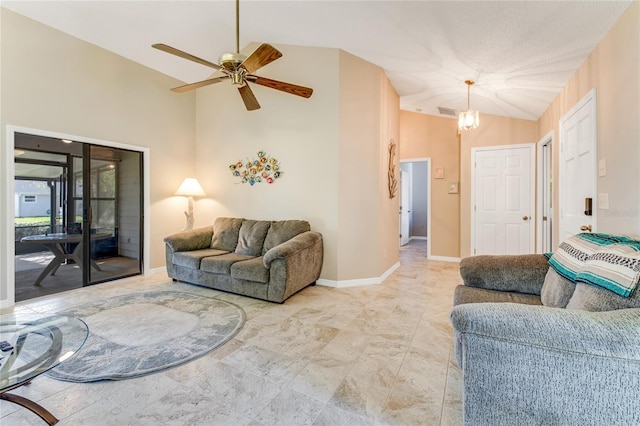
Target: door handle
586 228
526 217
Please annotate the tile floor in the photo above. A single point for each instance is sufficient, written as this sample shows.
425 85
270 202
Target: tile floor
371 355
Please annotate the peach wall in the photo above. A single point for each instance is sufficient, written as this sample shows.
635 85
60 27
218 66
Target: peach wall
613 69
368 218
423 136
436 137
494 130
389 217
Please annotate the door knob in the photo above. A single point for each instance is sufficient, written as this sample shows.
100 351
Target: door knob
525 218
586 228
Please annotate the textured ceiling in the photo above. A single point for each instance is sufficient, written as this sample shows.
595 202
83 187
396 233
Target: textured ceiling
521 53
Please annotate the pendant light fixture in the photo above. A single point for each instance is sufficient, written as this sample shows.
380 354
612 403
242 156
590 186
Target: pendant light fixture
469 119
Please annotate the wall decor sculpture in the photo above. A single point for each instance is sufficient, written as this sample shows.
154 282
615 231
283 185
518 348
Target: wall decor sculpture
263 169
393 180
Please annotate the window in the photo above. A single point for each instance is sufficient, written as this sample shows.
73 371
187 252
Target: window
29 198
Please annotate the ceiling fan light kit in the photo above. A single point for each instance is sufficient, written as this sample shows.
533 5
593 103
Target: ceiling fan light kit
239 69
469 119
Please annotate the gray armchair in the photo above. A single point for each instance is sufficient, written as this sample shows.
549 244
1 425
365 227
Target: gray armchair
528 364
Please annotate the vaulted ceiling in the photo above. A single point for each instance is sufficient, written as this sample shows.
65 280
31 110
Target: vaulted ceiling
521 53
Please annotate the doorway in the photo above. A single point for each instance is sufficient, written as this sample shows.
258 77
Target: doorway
545 220
502 200
416 224
92 228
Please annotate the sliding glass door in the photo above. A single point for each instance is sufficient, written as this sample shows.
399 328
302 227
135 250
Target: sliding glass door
112 211
79 214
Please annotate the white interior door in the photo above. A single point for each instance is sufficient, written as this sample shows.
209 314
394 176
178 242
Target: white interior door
503 200
405 208
578 168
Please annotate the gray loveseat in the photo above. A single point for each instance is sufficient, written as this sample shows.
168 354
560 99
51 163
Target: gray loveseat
524 363
269 260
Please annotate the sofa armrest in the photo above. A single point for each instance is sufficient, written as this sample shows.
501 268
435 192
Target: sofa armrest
295 244
195 239
538 365
523 273
607 334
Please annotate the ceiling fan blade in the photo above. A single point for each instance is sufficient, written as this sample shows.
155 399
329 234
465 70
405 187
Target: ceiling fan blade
263 55
249 98
187 87
293 89
186 55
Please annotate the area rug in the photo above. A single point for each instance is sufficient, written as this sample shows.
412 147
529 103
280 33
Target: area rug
142 333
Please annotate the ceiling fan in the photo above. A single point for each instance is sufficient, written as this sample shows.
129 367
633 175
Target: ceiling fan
239 70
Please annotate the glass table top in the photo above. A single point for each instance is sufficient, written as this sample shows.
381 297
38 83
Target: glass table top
40 342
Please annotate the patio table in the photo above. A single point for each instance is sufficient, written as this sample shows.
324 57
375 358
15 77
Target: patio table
55 244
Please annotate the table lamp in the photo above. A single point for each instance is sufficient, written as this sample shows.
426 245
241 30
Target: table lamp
190 188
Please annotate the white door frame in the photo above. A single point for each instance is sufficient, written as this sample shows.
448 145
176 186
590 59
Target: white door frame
428 161
405 205
532 199
7 250
546 140
589 97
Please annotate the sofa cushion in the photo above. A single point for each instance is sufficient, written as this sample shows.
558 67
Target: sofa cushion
191 259
251 237
222 264
596 299
225 233
250 270
464 294
615 268
283 230
556 290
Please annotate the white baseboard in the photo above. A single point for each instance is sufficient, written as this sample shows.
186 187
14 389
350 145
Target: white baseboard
418 238
155 271
360 281
445 258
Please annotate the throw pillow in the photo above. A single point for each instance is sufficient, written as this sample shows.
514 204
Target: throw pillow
225 233
556 290
251 237
615 268
590 298
575 250
283 230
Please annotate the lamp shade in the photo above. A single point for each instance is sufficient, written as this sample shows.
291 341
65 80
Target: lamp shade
190 188
469 119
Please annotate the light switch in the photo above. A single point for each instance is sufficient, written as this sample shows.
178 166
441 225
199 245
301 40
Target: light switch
602 167
603 201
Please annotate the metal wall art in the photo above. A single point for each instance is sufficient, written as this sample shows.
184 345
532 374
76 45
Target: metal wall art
263 169
393 180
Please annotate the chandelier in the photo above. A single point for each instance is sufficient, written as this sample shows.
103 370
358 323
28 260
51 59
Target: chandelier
469 119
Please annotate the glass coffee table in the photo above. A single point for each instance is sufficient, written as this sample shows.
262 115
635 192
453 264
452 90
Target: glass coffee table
40 342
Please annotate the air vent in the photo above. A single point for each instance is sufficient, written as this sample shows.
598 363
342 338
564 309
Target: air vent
447 111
